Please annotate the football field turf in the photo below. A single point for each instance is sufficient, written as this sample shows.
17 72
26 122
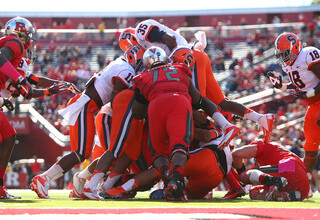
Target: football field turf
142 207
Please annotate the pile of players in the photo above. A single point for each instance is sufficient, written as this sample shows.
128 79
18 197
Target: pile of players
159 112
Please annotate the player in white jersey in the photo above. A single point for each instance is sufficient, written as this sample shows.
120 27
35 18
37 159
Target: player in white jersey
114 138
151 33
80 115
303 68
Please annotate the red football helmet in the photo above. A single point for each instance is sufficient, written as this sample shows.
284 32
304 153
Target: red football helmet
287 48
134 55
127 38
21 28
183 55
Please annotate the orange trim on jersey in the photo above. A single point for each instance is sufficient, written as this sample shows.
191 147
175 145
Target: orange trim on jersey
119 79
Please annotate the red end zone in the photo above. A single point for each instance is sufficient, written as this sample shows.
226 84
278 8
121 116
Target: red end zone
256 213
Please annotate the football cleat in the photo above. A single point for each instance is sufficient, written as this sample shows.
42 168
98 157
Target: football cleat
288 196
90 194
73 195
169 197
266 122
231 132
234 193
279 182
272 193
40 185
5 195
114 193
78 185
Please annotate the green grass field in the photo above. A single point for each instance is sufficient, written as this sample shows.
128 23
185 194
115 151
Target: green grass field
59 198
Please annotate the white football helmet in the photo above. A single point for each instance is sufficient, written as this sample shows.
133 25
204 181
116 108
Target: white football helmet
154 55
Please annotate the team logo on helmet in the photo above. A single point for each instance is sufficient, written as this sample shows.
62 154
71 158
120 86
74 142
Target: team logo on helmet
127 38
287 48
183 55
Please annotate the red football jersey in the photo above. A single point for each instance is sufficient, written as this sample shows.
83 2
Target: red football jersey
169 78
271 153
17 47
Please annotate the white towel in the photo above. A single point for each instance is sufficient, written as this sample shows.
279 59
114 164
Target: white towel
107 109
71 112
201 37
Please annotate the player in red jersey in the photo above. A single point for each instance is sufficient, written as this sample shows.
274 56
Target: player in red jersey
18 33
281 176
165 93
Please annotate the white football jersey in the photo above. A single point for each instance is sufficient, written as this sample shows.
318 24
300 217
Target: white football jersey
143 29
299 73
118 68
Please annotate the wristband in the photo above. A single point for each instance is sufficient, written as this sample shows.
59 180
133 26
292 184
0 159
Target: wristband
310 93
284 87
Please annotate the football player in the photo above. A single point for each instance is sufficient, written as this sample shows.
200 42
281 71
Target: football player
281 176
302 65
123 136
18 34
165 93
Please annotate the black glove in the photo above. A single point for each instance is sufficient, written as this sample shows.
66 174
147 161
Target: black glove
7 103
57 87
276 80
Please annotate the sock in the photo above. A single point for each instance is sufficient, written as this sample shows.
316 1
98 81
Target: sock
111 180
53 171
56 177
252 115
255 177
2 172
220 119
96 177
130 185
232 181
85 174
